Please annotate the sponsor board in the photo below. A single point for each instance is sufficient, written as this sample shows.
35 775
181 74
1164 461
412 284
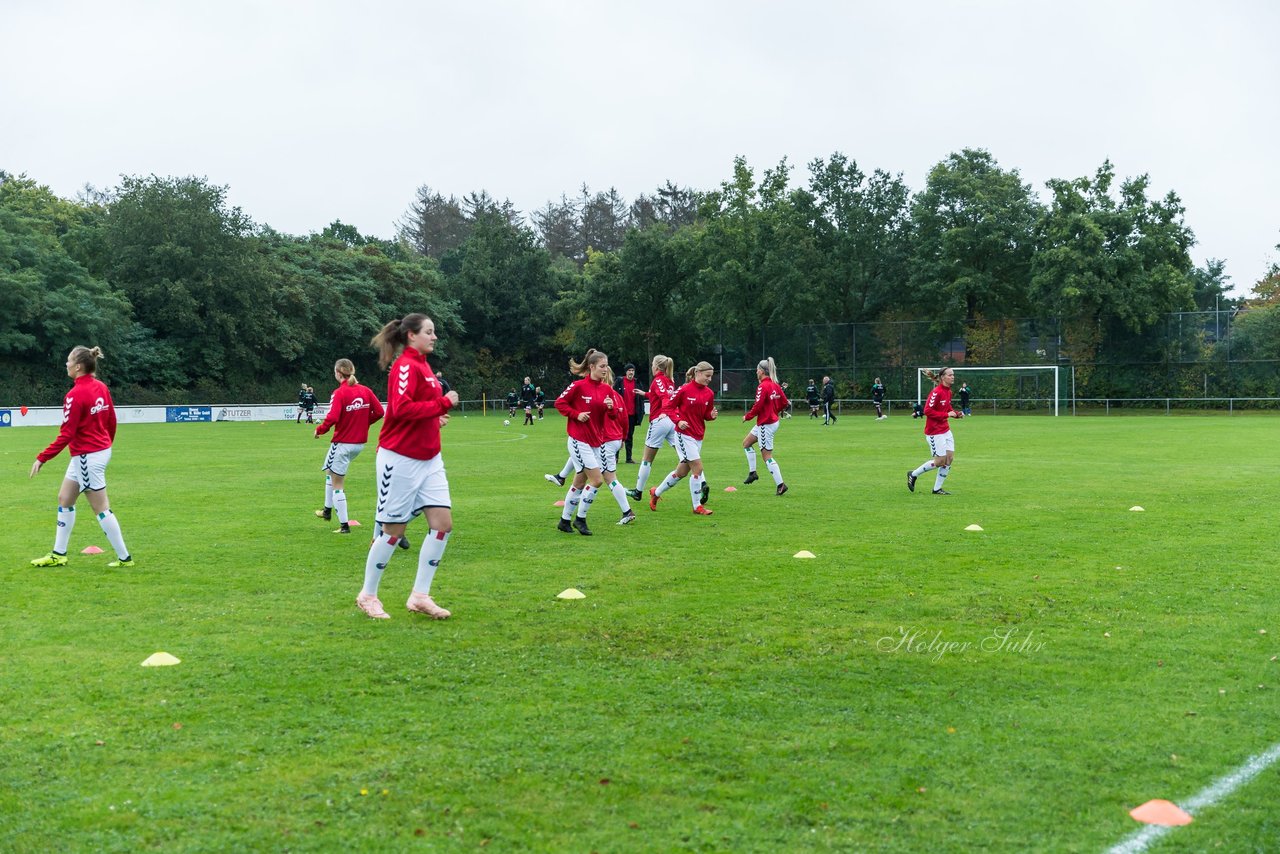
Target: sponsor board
6 418
188 413
233 413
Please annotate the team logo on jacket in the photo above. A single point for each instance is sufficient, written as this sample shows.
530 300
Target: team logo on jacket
358 403
98 406
403 382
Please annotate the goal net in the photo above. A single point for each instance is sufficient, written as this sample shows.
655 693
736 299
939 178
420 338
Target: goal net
1008 389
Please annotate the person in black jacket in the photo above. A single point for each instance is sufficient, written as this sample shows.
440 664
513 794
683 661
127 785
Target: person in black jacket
633 400
828 398
302 399
309 405
527 396
877 397
539 400
811 395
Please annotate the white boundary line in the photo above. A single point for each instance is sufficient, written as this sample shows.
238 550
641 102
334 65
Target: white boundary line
1207 797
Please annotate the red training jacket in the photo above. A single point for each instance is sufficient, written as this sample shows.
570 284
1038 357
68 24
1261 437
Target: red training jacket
353 409
936 411
88 420
616 420
771 401
693 403
585 395
415 403
660 391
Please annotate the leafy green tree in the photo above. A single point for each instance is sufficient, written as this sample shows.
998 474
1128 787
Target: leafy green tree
974 239
434 225
863 233
604 218
560 230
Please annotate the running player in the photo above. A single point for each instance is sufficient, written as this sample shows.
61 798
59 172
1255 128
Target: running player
811 394
770 400
661 428
585 404
694 404
353 409
411 474
877 397
88 428
937 431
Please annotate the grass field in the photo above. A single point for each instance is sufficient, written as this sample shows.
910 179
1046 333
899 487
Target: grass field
711 693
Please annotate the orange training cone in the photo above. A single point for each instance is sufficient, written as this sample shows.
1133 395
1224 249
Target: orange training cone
1161 812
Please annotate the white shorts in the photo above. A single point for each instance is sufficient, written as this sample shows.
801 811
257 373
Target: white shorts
609 454
89 471
764 434
688 448
407 486
662 430
340 457
582 455
940 444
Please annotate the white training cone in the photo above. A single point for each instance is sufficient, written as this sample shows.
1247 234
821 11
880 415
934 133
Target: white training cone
804 553
571 593
973 528
1136 509
91 550
160 659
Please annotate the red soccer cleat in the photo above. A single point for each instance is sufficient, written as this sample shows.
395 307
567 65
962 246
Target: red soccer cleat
702 511
653 498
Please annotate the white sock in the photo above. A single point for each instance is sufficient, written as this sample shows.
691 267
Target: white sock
642 475
380 553
670 481
751 458
66 521
619 495
571 503
923 468
772 465
340 504
942 475
588 497
567 470
695 489
428 559
111 527
328 492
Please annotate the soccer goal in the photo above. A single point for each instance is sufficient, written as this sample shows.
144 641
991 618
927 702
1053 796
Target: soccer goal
1017 387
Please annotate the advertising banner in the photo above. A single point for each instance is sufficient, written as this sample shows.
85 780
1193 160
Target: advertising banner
188 413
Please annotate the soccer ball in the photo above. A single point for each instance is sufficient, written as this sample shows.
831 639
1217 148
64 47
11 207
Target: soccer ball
506 423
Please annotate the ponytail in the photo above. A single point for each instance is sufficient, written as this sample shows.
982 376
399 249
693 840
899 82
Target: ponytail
393 337
769 367
580 369
346 370
86 357
662 363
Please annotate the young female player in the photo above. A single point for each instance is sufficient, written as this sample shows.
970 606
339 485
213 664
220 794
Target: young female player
877 397
89 428
411 474
771 400
584 403
661 427
694 404
616 423
353 409
937 431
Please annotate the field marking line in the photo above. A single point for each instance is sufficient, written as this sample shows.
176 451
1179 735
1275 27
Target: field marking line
1205 798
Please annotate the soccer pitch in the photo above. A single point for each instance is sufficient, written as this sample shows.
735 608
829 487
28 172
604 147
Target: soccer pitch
915 687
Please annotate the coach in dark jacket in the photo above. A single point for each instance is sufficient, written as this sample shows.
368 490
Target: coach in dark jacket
632 396
828 398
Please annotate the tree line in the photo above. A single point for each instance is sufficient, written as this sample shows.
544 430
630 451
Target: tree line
193 300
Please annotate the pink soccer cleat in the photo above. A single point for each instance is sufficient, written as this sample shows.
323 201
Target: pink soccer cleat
371 606
423 604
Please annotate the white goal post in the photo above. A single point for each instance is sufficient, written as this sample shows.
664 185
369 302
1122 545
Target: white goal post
962 370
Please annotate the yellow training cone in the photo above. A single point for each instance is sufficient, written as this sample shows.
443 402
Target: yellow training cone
974 528
571 593
160 659
1136 509
803 553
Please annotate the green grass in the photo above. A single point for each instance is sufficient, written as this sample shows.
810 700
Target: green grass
712 693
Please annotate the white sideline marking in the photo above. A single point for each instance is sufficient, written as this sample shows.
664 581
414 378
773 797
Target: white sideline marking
1216 791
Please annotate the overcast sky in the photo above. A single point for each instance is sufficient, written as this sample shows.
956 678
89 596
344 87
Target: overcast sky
311 112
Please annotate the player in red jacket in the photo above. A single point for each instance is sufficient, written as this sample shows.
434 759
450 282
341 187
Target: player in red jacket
771 401
616 425
694 404
88 428
937 431
411 473
585 403
353 409
661 427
